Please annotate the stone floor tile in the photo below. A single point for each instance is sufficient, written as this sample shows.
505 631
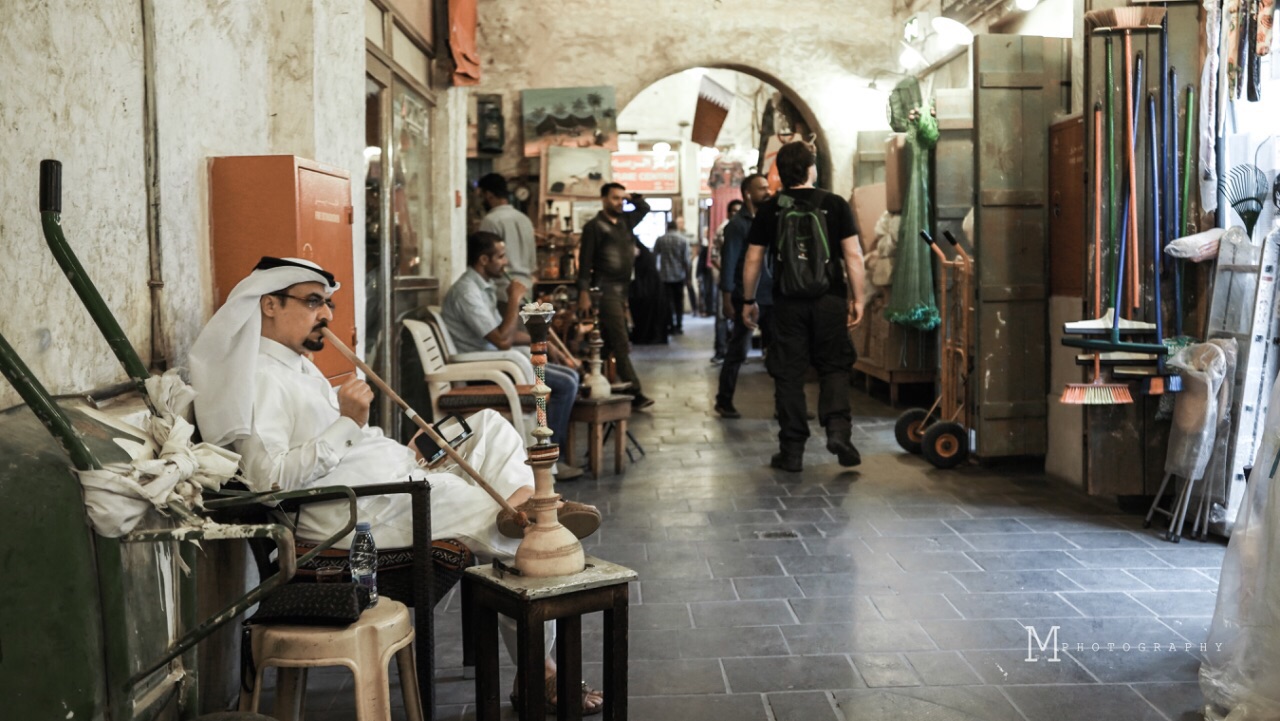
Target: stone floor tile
656 616
1005 668
841 584
1010 605
1098 540
918 527
1178 603
1126 559
912 561
1023 560
1105 579
749 549
918 544
976 634
1019 542
791 673
921 582
861 637
741 613
997 581
1192 555
1116 665
1093 702
990 525
1177 701
1102 604
745 567
731 642
879 670
954 703
756 589
803 706
942 668
728 707
1175 579
834 609
675 677
686 591
914 607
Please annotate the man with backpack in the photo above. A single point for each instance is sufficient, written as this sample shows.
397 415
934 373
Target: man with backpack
808 235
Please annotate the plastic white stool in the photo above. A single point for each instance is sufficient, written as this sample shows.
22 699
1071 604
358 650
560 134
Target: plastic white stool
365 647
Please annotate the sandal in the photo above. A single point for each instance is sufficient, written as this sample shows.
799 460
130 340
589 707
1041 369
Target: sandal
551 709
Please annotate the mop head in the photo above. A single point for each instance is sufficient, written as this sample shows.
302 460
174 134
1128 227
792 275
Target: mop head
1123 18
1096 394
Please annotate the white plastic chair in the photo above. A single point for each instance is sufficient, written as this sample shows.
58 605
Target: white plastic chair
441 375
517 357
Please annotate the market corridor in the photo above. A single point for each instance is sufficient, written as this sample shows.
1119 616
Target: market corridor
893 592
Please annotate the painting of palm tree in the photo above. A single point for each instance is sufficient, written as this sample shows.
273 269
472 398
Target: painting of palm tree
571 117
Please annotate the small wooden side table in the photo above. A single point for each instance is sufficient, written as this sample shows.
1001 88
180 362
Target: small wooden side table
602 586
596 413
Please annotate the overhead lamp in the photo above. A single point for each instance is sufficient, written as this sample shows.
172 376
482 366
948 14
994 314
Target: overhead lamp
662 147
953 31
911 59
1026 5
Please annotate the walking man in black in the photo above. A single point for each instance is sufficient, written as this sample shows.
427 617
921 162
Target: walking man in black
606 258
809 331
755 191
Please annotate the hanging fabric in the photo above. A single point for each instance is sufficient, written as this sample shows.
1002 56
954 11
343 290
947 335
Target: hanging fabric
912 303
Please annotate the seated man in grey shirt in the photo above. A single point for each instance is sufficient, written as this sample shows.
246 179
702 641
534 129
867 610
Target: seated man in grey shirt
471 314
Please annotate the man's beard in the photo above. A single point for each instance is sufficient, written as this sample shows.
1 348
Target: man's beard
318 343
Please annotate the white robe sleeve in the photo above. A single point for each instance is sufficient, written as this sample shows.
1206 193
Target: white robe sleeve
269 458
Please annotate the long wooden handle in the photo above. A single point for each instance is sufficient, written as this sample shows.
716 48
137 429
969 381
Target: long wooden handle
426 427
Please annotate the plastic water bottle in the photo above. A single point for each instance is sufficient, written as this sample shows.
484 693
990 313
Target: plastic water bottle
364 561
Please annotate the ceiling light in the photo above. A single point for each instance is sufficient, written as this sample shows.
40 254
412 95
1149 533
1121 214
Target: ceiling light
911 59
953 31
1026 5
662 147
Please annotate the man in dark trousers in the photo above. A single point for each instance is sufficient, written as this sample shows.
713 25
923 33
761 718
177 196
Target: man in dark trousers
606 258
755 191
809 331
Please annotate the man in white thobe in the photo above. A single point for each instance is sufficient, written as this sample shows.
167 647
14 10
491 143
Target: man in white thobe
259 392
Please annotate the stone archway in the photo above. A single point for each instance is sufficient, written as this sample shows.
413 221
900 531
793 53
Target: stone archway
804 109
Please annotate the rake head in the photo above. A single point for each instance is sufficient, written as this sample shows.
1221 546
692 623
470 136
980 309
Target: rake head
1246 188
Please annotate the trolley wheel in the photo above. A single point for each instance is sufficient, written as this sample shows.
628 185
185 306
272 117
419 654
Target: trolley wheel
909 430
945 445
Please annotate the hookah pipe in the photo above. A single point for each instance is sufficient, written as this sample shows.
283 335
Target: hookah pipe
521 517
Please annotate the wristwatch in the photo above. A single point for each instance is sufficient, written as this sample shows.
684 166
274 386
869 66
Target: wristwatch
752 301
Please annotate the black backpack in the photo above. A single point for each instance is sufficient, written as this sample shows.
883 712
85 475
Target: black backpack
803 263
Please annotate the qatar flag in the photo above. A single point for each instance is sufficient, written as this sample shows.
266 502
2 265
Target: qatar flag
713 106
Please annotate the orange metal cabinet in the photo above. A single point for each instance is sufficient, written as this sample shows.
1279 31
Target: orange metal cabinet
284 206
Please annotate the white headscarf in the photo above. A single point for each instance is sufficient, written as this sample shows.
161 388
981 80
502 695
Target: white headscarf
224 358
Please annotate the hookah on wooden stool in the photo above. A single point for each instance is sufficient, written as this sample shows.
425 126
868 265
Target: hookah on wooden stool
597 384
548 548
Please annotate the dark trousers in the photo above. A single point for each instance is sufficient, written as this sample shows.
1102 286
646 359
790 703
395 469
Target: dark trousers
737 347
707 290
675 298
613 331
810 333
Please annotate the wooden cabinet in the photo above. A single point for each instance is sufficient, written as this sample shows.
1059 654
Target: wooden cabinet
286 207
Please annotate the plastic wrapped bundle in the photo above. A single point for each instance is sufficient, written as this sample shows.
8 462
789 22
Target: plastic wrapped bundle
1195 412
913 304
1240 677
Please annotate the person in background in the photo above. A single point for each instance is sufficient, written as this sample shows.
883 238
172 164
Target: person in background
672 251
470 312
808 331
755 190
606 258
721 309
513 227
693 263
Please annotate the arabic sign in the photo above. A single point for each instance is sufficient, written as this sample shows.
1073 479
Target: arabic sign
651 173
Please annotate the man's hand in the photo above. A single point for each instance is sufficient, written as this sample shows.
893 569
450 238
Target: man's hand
726 306
354 398
751 315
855 314
584 302
515 292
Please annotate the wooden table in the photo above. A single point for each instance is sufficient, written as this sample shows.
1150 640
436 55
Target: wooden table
602 586
596 413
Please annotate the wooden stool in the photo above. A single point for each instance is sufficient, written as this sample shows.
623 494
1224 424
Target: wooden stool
365 647
602 586
596 413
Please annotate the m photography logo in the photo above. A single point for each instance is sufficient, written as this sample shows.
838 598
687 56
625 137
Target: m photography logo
1047 646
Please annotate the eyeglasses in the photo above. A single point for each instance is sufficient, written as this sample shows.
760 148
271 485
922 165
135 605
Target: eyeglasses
312 301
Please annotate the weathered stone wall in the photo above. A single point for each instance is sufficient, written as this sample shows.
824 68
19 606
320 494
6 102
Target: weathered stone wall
72 79
817 51
250 77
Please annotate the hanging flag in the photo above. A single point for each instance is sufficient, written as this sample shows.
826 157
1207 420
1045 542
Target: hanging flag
714 101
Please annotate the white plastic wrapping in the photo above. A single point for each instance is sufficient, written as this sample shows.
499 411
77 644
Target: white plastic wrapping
118 496
1195 410
1240 676
1217 476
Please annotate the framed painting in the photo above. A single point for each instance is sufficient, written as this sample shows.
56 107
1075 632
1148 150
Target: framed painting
571 117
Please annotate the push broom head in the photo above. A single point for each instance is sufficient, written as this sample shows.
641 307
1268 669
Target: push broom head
1123 18
1096 394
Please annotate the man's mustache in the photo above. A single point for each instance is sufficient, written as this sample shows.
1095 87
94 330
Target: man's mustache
320 325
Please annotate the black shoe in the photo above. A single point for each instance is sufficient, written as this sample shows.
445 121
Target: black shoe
845 451
787 462
727 411
641 402
717 360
